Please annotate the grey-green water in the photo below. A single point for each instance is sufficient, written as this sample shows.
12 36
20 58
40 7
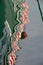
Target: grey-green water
2 16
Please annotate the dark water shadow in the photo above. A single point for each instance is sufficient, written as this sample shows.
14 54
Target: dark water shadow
2 17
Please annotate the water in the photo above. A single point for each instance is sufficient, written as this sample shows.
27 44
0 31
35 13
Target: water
2 17
32 47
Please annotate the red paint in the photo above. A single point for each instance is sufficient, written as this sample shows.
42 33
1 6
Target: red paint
25 35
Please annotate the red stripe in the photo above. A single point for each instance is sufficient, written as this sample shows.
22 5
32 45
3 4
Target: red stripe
10 61
25 14
12 57
26 10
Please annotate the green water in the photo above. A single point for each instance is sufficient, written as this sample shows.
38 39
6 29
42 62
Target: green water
2 16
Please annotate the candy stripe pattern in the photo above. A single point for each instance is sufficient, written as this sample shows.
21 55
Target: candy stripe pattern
12 59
